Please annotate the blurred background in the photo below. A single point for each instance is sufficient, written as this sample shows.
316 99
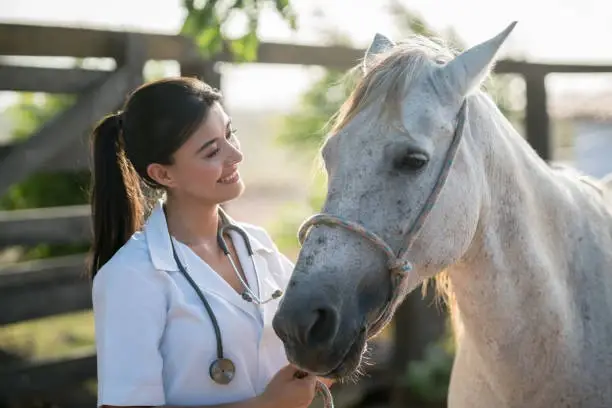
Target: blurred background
65 64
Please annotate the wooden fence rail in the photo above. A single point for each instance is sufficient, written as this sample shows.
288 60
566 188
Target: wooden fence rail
31 290
27 40
28 379
55 225
49 80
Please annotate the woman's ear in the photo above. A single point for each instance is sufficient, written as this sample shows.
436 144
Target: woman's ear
161 175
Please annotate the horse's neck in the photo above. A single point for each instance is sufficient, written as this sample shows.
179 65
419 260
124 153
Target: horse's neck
521 289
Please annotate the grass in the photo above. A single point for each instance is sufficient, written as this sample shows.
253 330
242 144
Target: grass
50 337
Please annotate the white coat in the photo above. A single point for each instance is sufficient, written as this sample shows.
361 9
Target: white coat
155 341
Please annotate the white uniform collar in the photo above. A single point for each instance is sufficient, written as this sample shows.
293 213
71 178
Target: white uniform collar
158 240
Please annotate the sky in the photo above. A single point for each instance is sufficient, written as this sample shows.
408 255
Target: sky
547 31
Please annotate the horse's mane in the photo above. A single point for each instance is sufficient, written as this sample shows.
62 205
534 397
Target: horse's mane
389 76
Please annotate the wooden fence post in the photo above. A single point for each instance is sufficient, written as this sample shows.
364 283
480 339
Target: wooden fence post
537 125
204 70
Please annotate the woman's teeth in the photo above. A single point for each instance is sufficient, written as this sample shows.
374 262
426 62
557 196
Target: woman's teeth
232 178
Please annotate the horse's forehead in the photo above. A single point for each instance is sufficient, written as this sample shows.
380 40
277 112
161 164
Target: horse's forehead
363 130
354 151
418 111
424 98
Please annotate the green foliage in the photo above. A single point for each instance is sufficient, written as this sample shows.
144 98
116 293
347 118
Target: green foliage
31 110
43 189
205 21
408 21
291 217
49 188
428 378
304 131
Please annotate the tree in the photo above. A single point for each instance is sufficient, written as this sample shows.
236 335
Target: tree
205 21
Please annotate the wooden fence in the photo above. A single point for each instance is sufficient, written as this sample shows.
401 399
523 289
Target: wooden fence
55 286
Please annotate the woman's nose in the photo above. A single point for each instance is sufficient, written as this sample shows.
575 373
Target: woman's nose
235 155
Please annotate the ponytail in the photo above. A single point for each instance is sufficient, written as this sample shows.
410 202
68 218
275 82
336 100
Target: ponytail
117 204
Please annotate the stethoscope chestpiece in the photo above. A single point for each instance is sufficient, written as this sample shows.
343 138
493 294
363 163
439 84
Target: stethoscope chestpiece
222 371
277 293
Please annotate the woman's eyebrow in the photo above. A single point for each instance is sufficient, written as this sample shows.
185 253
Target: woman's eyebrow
205 145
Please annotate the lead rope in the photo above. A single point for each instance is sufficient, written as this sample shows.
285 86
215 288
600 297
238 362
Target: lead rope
326 395
398 265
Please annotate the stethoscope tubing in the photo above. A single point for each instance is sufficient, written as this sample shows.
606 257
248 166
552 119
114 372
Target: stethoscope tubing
248 294
251 296
209 310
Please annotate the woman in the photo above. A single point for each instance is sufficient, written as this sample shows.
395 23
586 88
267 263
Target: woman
155 340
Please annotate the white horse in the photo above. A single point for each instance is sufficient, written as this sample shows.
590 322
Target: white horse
421 163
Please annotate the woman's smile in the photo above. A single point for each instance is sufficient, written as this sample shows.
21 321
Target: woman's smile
232 178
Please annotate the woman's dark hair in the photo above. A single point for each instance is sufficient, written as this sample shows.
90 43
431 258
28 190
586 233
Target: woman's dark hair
156 119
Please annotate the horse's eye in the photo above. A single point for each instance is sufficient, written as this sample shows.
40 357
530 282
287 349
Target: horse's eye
411 161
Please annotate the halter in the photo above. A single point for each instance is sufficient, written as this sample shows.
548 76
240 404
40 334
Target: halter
398 265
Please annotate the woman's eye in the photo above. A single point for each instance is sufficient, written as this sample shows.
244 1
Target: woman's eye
231 133
411 161
213 153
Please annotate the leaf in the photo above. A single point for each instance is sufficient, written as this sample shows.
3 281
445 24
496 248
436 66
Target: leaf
208 41
281 4
304 130
204 25
245 47
199 19
285 9
208 12
190 25
251 45
188 4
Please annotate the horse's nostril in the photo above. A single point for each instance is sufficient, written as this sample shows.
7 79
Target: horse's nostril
307 322
323 326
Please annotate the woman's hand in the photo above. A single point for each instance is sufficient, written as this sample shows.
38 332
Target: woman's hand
288 390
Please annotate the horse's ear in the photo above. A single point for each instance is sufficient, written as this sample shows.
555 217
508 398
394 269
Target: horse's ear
379 45
468 69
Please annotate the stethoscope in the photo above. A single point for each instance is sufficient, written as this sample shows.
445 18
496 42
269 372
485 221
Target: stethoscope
222 369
